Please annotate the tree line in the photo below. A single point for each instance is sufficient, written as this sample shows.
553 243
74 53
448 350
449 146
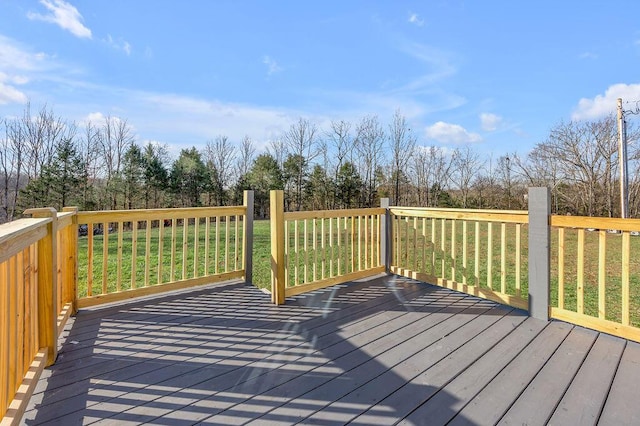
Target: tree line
46 160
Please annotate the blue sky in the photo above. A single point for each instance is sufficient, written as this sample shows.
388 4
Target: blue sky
494 74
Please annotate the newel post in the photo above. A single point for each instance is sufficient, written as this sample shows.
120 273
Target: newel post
276 218
47 284
248 237
385 235
539 252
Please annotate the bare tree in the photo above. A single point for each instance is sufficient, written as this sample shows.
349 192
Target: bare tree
219 157
301 142
114 140
246 156
12 166
278 150
402 147
466 164
369 145
342 143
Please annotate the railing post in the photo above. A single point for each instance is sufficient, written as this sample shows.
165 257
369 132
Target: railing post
385 235
47 284
276 218
248 237
72 258
539 252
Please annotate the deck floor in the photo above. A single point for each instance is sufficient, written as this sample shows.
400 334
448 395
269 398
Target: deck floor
384 351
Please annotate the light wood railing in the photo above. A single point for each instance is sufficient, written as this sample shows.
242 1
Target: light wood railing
31 307
317 249
479 252
132 253
41 284
595 273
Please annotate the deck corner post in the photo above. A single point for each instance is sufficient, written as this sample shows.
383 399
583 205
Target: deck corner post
276 218
72 258
47 284
385 235
539 252
248 237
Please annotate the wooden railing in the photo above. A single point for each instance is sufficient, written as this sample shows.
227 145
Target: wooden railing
41 284
35 284
316 249
595 273
132 253
479 252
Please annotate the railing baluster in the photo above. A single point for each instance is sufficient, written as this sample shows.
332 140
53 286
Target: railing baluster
134 252
580 278
196 246
315 248
443 233
226 243
147 254
174 242
602 265
217 248
626 256
517 259
503 258
433 247
464 251
237 245
453 250
161 249
105 256
323 254
306 251
296 238
207 244
119 257
490 255
185 246
90 259
476 266
561 248
331 247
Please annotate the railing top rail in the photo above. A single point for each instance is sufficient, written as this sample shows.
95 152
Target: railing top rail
450 209
500 216
17 235
326 214
65 219
586 222
158 214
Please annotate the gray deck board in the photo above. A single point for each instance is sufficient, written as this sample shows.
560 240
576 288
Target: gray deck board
595 375
380 351
622 406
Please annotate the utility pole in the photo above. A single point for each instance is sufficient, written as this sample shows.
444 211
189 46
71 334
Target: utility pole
624 178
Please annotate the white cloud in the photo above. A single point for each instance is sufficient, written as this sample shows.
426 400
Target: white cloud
63 14
605 104
9 94
272 65
415 20
14 57
451 133
119 44
490 122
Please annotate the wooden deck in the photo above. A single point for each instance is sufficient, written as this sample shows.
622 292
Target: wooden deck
385 351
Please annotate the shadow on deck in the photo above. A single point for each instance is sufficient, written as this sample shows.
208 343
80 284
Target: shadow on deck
381 351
